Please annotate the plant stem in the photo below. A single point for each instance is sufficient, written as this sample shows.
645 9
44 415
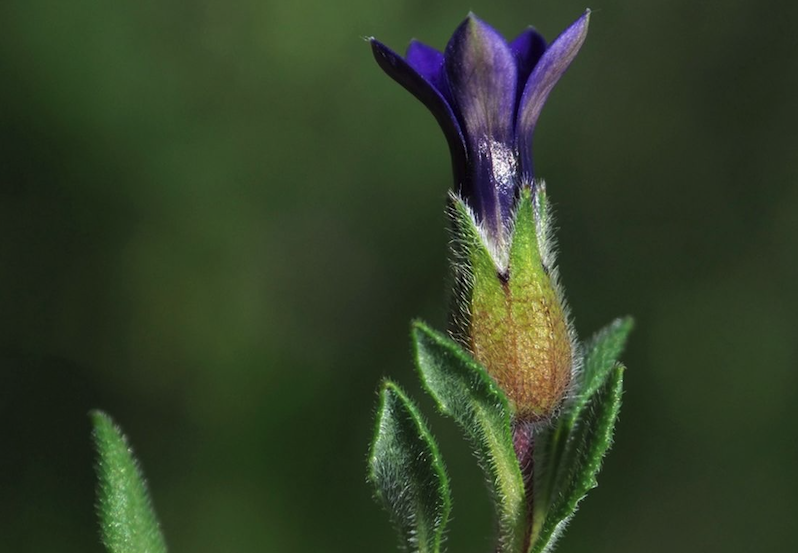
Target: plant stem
524 444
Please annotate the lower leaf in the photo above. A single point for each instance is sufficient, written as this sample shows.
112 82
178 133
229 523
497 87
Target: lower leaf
464 391
408 474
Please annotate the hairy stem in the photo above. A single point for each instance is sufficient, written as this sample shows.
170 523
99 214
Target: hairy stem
524 444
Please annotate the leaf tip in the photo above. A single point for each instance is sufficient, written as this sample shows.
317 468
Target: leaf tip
627 322
127 519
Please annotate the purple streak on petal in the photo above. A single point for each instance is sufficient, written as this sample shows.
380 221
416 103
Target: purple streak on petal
545 75
482 76
481 71
528 47
399 69
428 62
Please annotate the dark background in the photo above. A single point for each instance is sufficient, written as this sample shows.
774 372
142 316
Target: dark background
218 218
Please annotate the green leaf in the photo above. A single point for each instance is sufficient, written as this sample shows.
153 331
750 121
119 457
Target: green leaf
408 474
464 391
601 354
127 519
588 440
603 351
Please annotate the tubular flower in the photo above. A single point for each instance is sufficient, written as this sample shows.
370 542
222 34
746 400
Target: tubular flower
487 94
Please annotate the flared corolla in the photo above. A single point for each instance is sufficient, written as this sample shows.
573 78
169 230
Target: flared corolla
487 94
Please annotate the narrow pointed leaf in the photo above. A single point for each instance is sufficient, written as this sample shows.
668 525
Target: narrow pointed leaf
601 355
603 351
127 519
588 441
464 391
408 474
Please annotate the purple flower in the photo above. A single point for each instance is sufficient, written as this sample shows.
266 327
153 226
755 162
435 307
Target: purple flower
487 95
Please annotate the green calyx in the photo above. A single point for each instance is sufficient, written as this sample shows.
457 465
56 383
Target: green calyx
516 324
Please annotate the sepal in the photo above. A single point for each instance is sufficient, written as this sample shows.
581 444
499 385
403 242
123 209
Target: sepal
512 314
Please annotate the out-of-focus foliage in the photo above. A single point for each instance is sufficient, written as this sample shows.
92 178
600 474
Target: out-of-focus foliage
217 219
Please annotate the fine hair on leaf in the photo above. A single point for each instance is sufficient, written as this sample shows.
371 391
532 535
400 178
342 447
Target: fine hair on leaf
127 519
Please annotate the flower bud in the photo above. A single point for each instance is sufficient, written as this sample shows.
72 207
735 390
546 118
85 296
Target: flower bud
487 95
513 317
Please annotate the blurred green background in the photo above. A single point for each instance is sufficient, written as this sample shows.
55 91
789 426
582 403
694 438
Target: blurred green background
218 218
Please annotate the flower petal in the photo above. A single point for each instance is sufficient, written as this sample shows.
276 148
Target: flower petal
551 66
428 62
482 75
528 47
420 87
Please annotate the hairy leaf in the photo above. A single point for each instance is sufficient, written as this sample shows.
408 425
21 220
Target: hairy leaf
127 519
464 391
601 354
588 440
603 351
408 474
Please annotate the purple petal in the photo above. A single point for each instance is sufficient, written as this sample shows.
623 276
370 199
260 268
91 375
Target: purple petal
428 62
528 47
399 69
545 75
482 78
